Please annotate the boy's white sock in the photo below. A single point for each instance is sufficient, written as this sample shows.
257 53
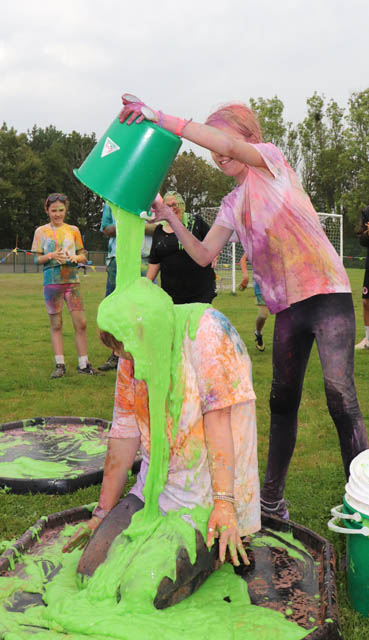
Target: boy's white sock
59 359
82 362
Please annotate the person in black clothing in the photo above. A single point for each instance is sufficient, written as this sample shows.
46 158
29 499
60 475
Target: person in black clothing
363 234
181 277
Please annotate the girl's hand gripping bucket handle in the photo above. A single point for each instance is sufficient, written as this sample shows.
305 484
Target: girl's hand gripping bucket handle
337 514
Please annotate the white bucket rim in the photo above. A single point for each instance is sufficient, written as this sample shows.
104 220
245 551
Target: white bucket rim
357 505
357 487
357 494
359 467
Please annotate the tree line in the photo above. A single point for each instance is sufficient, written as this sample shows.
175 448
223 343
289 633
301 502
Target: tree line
329 149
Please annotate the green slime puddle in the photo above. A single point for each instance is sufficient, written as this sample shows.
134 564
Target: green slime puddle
152 329
25 467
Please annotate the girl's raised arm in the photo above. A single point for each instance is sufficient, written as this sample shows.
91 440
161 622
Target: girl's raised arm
219 141
201 251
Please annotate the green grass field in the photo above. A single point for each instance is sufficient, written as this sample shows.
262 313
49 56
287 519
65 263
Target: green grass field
316 480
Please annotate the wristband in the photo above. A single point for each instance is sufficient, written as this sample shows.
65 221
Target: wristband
226 497
100 513
49 256
180 126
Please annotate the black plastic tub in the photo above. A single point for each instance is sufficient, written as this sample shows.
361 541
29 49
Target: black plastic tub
58 439
305 592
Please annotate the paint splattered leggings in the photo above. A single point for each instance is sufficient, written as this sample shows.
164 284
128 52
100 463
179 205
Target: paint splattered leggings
330 320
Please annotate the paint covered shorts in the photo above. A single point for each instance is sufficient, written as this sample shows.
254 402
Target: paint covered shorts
55 294
258 295
365 294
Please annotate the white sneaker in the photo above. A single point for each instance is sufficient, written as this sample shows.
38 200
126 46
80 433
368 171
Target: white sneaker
364 344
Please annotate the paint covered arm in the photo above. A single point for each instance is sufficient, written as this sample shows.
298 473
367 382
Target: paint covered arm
222 522
80 257
211 138
201 251
119 460
120 456
57 255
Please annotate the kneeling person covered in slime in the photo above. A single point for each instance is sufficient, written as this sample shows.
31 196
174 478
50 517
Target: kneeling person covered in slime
208 447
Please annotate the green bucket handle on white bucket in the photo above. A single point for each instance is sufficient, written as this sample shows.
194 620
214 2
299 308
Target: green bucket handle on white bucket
337 514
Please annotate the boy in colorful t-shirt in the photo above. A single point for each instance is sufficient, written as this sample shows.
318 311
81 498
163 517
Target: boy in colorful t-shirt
59 249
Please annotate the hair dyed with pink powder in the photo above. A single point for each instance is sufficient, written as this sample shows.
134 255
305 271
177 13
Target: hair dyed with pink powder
240 117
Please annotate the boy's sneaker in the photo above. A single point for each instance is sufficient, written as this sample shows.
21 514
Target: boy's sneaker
111 363
259 344
278 508
89 369
58 372
364 344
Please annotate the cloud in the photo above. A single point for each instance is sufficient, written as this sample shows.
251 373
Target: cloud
68 63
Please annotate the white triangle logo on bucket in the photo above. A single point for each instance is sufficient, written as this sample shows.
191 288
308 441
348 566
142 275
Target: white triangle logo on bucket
109 147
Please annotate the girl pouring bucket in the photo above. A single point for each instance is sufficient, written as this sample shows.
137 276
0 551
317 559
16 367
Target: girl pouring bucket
301 276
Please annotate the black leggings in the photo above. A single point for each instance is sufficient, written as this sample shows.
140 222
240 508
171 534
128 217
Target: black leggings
330 320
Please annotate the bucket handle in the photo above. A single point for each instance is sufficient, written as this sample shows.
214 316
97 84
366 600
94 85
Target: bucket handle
148 216
333 527
337 513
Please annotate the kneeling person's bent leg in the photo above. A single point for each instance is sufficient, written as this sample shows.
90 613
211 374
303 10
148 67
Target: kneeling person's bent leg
189 577
115 522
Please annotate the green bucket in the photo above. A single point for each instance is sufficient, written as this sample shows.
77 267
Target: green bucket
357 557
129 163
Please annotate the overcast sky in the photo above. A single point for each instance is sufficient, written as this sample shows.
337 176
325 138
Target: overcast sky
67 62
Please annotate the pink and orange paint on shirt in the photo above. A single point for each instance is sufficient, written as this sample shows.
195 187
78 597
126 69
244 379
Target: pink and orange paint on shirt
291 256
216 373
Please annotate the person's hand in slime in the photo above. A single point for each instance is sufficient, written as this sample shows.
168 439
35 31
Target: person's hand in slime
222 522
82 535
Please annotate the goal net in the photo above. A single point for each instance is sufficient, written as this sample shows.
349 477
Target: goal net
228 270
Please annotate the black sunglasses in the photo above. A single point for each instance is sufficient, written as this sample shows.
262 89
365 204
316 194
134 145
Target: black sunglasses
54 197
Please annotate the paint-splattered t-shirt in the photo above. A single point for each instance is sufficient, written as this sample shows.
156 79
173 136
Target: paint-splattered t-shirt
46 240
291 256
217 374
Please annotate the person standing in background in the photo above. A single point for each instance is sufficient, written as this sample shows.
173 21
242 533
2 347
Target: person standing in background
363 234
260 302
58 247
181 277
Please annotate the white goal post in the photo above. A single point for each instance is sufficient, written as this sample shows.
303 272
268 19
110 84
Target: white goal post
228 269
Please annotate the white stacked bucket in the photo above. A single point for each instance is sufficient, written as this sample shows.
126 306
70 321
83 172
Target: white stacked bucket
355 513
357 488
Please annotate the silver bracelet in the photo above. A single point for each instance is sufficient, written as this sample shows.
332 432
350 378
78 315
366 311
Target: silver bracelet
227 497
99 512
